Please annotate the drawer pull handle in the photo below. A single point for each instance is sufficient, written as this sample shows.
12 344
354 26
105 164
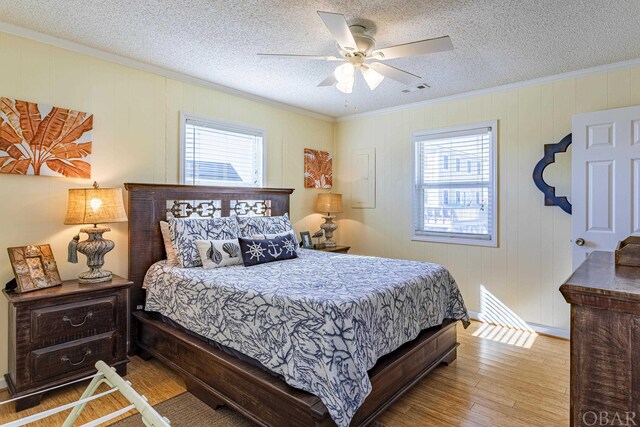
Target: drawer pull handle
88 316
65 359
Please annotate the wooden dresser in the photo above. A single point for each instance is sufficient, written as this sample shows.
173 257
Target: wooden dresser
57 334
605 341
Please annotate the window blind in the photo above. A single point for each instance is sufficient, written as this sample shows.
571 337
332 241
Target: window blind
218 154
455 202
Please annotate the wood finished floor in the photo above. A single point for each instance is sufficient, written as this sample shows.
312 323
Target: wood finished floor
502 377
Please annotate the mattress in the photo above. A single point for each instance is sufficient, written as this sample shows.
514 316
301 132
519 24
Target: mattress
319 321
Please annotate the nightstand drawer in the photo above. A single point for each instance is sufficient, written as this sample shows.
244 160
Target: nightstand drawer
61 359
74 319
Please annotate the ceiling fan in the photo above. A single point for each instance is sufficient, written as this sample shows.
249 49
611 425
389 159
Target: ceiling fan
358 48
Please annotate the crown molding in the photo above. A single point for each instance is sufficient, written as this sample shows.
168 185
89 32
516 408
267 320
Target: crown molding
26 33
517 85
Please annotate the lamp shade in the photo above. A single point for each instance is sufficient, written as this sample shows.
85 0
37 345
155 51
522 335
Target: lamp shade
329 203
95 206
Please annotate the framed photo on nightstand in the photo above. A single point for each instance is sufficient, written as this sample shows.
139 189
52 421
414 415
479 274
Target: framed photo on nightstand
34 267
305 240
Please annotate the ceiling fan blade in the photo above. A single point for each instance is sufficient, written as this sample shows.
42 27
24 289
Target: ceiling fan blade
339 29
329 81
422 47
293 56
396 74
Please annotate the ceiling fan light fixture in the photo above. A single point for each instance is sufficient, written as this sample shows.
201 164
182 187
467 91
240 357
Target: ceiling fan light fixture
345 86
344 73
357 46
372 77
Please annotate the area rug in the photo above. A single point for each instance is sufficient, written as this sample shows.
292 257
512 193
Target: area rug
186 410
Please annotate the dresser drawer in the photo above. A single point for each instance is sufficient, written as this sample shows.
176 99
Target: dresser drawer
75 319
61 359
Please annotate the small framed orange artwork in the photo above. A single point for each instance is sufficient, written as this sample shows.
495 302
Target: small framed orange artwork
34 267
39 139
318 169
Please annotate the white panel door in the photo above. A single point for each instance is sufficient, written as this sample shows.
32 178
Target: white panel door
605 189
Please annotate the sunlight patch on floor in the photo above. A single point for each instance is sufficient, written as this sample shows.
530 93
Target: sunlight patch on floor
501 324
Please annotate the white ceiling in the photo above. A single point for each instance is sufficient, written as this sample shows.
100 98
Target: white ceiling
496 41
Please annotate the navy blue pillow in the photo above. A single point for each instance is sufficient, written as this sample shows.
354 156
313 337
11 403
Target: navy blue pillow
260 251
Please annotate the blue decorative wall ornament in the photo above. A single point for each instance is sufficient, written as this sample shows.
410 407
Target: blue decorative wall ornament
549 191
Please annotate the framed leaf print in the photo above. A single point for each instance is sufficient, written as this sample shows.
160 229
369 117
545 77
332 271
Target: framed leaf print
39 139
34 267
318 169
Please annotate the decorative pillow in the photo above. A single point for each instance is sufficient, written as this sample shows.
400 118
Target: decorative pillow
168 246
251 225
185 232
219 253
260 251
274 235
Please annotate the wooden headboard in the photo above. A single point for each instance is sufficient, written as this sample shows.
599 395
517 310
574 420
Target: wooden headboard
151 203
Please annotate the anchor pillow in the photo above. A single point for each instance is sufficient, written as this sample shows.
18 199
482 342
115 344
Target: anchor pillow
219 253
260 251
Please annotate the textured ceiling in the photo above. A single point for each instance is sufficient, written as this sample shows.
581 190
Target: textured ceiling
496 41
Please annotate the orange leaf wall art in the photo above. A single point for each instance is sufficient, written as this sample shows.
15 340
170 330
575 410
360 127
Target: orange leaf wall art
318 169
38 139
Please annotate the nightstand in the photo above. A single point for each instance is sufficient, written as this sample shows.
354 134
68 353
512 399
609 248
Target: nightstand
56 335
337 249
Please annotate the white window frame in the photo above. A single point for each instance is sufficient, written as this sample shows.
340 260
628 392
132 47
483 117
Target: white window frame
223 125
493 240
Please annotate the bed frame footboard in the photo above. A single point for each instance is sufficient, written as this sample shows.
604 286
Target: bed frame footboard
218 379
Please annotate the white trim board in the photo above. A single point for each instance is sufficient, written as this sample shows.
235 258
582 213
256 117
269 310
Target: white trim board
541 329
3 384
26 33
516 85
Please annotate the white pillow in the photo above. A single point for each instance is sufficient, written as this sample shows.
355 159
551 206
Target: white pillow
219 253
168 245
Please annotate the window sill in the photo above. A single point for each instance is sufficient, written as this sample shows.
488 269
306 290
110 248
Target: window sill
455 241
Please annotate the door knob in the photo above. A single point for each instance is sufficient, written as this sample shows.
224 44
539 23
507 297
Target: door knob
580 241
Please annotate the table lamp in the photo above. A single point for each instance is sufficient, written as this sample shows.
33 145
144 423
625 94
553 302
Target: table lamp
329 203
93 206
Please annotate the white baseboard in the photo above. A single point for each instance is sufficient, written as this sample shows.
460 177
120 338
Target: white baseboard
541 329
3 384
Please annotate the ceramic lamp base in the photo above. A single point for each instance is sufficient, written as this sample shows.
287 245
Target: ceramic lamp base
95 248
329 227
95 276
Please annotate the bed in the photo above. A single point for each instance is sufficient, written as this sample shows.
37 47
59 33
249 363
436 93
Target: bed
357 350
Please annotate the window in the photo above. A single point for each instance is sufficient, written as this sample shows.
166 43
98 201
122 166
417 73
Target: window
470 216
445 160
217 153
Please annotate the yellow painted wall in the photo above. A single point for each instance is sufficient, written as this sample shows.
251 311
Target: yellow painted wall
136 139
534 256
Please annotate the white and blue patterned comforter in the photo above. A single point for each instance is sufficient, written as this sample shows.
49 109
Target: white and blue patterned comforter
321 320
